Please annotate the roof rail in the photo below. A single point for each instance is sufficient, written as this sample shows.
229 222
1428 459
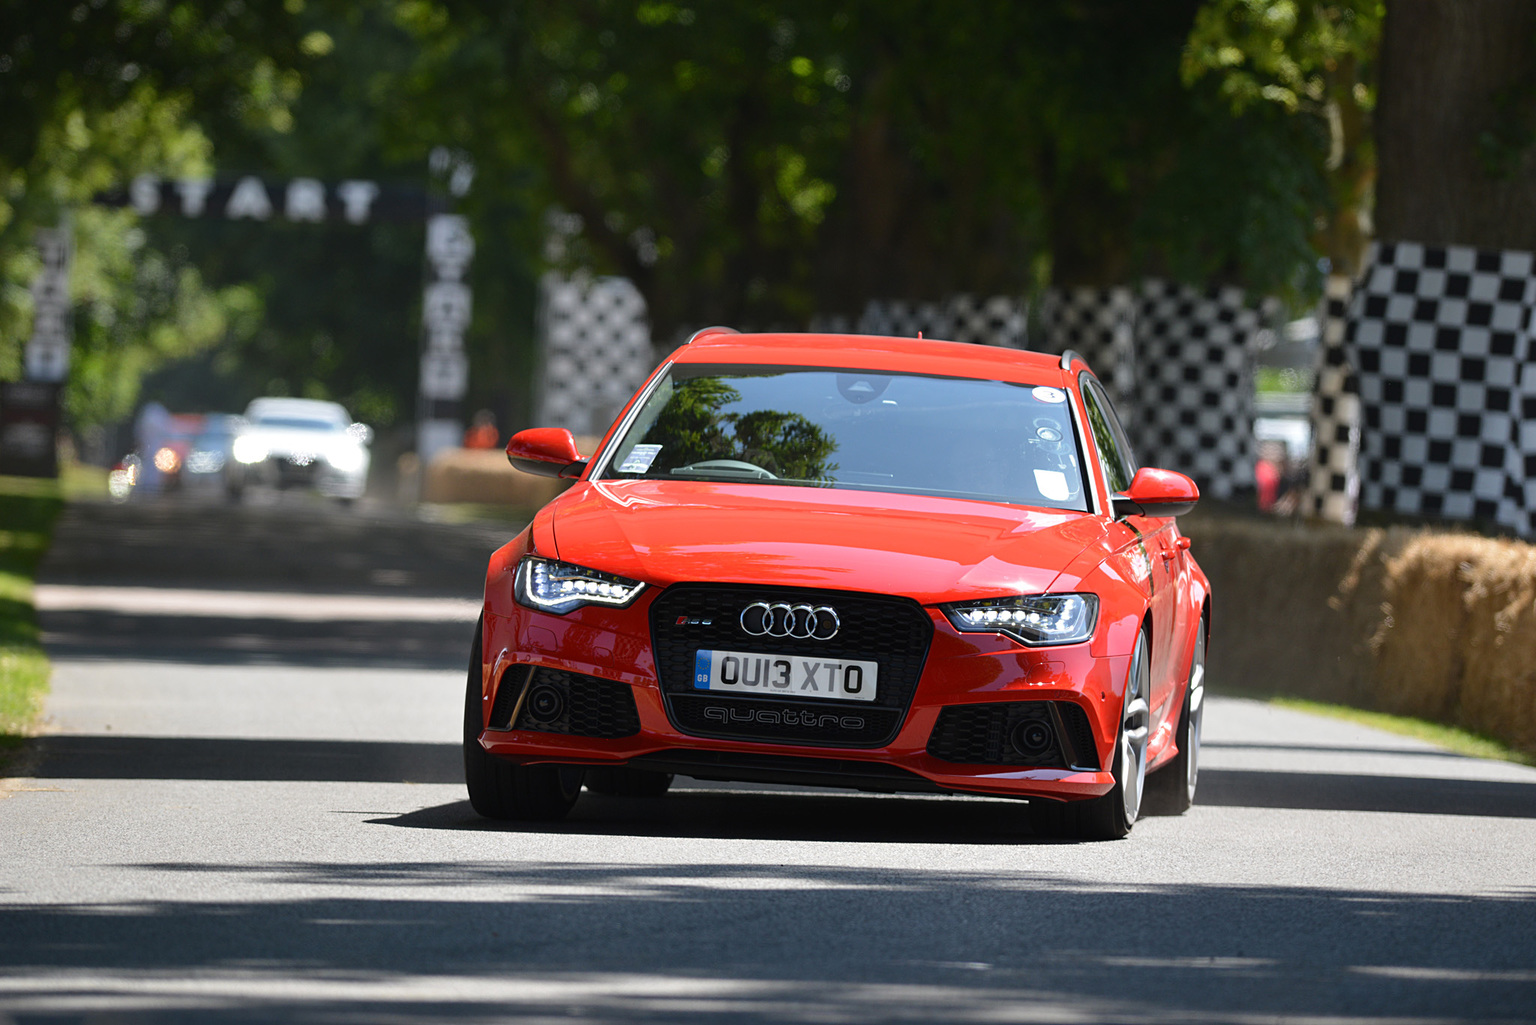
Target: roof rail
1067 358
717 328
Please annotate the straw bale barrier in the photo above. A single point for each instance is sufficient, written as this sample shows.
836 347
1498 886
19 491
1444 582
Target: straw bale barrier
1436 625
484 477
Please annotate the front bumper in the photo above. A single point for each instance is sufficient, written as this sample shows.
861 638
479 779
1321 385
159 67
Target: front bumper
305 472
960 671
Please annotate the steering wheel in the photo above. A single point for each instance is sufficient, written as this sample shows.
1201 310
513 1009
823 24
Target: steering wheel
726 468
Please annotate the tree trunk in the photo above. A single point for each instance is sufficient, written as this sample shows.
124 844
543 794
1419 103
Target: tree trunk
1454 122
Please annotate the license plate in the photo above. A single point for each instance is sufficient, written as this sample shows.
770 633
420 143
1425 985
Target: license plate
745 672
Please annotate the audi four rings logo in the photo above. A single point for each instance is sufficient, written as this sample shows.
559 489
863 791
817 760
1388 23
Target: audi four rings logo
802 622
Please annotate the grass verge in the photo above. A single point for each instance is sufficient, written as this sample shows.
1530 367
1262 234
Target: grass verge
28 509
1449 737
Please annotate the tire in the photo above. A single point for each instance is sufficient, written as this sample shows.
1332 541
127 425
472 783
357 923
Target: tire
498 789
622 781
1171 789
1112 816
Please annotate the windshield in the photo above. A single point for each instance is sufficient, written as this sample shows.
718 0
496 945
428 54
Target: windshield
299 424
952 437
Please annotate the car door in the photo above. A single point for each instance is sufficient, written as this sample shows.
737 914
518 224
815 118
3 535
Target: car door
1153 536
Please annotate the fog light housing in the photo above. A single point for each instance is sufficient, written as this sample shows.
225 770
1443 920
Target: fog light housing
1032 737
545 704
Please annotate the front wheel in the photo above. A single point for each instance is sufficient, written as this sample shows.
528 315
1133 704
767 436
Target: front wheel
1171 789
499 789
1110 817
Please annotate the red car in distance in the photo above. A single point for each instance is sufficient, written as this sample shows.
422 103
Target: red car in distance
885 564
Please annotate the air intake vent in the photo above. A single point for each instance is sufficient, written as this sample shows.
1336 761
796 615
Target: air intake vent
1014 733
562 702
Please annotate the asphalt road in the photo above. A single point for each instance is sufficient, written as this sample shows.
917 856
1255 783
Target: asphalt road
249 808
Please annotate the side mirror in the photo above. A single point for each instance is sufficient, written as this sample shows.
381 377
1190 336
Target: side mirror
546 452
1157 493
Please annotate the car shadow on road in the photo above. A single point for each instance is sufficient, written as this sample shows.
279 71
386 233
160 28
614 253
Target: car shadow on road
313 548
705 810
212 640
693 811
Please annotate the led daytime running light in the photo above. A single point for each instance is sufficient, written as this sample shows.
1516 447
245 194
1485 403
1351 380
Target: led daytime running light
560 587
1040 619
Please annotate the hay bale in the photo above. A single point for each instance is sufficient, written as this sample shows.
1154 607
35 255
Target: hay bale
1431 624
1493 670
484 477
1419 644
1293 607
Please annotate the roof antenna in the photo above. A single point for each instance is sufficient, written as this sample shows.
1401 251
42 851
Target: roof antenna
919 336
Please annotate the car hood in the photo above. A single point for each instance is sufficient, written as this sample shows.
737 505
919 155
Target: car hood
931 549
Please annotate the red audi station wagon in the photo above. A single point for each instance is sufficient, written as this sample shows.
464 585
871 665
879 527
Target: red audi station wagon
886 564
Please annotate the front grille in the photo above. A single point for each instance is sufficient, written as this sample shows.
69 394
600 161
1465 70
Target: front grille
996 733
894 632
290 472
562 702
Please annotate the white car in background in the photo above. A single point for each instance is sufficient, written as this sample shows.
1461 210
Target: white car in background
301 443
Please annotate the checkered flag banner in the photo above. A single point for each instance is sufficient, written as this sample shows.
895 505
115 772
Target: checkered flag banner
1195 354
1099 324
1519 506
1333 487
1442 340
996 320
595 345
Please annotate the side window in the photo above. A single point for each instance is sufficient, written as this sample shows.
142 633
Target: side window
1108 437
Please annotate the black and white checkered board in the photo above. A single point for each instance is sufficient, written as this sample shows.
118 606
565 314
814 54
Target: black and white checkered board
1519 508
995 320
1333 487
1099 324
1194 354
595 344
1441 339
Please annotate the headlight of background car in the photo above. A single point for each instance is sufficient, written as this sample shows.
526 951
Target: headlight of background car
249 450
1034 619
560 587
346 458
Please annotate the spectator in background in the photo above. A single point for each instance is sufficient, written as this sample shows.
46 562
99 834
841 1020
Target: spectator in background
482 433
1269 474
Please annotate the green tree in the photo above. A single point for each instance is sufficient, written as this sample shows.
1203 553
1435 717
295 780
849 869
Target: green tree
754 163
91 94
1314 60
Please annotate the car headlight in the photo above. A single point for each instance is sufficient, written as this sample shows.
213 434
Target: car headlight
346 458
560 587
1033 619
167 461
205 461
249 450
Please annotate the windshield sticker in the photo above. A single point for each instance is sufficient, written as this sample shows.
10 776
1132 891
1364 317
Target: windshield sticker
1053 485
1044 394
640 459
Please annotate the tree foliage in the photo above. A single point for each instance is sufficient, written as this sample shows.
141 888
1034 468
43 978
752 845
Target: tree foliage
755 163
746 163
92 93
1315 60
